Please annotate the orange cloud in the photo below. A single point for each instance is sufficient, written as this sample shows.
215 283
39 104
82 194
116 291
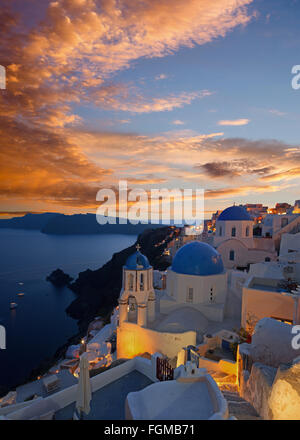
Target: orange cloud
69 58
244 190
119 97
290 174
234 122
73 51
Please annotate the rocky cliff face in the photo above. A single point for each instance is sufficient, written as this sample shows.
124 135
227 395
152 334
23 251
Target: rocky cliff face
98 291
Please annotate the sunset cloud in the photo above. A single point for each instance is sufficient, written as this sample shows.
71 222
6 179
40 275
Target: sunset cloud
178 122
234 122
277 112
161 76
119 97
72 57
290 174
237 167
244 190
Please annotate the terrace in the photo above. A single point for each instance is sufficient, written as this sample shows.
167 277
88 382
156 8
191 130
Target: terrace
117 391
108 403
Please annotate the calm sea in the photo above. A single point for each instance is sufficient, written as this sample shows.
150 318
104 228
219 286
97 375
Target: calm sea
40 325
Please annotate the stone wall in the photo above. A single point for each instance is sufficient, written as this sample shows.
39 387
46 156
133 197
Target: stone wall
273 392
256 388
284 401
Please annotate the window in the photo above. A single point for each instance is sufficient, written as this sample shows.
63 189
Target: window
231 255
247 231
130 281
267 259
233 232
220 231
211 295
142 282
190 295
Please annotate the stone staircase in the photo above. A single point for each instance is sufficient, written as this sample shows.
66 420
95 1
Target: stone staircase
239 407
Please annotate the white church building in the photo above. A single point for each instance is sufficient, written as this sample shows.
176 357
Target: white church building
166 321
197 278
235 242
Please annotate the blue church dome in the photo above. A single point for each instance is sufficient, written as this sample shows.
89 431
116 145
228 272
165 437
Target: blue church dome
234 213
137 261
197 258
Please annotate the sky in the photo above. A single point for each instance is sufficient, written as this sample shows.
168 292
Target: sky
160 93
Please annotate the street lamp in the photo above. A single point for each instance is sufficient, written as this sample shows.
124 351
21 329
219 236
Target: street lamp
83 346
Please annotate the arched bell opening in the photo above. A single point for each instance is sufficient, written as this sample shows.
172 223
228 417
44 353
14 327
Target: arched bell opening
132 309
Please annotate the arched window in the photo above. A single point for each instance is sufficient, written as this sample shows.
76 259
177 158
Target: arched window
247 231
233 232
190 295
131 280
267 259
231 255
142 282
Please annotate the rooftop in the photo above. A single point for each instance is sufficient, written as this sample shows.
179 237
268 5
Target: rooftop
137 261
66 379
237 213
197 258
266 284
174 400
108 403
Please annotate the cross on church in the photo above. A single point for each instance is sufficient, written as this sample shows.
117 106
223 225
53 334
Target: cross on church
138 247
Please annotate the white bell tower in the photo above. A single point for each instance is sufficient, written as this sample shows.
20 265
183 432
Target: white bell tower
137 284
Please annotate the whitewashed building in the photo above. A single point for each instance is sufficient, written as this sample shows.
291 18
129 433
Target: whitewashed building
235 242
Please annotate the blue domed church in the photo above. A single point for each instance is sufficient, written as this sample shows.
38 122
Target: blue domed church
197 278
234 240
165 321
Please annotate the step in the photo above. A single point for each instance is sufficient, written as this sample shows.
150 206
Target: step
239 407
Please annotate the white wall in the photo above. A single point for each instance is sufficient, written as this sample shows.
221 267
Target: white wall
289 242
273 223
133 340
242 255
260 304
240 226
178 284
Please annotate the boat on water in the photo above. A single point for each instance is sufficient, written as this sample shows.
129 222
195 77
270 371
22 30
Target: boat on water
20 284
13 305
21 294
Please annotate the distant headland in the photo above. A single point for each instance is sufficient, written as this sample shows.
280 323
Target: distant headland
61 224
